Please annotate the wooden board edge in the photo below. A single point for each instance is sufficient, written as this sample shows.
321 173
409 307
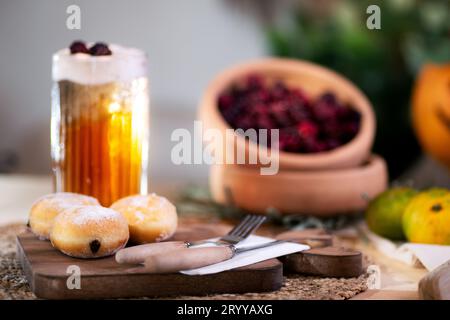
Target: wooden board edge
55 288
348 266
46 286
24 263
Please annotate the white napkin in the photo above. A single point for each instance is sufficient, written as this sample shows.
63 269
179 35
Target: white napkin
250 257
430 256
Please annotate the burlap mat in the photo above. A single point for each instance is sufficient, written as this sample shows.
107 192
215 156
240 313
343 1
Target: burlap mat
13 284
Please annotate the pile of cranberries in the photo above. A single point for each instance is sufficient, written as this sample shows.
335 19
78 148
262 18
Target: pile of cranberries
98 49
306 125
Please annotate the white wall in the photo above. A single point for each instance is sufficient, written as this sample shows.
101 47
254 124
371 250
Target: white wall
187 43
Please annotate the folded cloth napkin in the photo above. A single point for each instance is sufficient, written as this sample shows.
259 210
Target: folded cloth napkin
250 257
415 254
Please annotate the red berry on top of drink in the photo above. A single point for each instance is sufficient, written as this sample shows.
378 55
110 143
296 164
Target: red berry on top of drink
78 47
100 49
306 125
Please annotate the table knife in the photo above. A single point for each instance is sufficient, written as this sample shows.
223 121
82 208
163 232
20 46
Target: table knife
193 258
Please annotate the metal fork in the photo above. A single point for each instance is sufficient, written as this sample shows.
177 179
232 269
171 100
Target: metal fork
241 231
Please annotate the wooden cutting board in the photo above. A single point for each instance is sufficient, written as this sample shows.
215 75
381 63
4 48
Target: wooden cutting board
46 270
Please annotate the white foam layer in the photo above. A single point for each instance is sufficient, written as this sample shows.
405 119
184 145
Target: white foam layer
124 64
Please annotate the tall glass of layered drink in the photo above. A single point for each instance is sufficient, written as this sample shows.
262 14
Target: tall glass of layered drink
99 123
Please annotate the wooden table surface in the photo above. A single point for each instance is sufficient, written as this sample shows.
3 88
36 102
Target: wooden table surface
398 281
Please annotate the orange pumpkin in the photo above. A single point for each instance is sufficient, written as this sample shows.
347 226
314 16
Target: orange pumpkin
431 111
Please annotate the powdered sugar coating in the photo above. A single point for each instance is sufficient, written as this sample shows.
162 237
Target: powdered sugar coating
152 201
139 215
97 214
63 200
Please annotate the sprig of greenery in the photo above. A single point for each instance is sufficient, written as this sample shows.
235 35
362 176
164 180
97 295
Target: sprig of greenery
197 201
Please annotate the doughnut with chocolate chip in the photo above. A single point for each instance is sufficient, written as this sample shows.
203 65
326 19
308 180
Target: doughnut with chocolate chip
89 232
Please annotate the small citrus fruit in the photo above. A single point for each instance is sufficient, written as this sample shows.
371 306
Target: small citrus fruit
427 217
384 213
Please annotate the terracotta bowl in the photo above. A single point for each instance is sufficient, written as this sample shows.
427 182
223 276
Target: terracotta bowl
314 80
319 193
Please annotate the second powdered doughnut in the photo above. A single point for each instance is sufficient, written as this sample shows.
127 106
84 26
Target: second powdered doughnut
151 218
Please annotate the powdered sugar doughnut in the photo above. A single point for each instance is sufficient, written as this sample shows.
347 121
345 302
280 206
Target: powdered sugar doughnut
89 232
151 218
46 208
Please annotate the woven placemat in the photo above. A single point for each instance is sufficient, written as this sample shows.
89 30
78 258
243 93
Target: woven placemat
13 284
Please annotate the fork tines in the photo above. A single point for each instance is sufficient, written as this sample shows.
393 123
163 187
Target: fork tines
248 225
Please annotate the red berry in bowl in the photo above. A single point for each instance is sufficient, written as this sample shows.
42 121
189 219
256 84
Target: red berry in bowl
307 129
332 144
264 121
245 123
289 140
325 111
255 81
225 101
314 146
306 125
280 113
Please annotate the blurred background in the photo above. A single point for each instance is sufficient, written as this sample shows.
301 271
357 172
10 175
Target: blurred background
188 42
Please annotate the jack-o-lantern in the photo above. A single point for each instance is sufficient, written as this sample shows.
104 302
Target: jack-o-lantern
431 111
